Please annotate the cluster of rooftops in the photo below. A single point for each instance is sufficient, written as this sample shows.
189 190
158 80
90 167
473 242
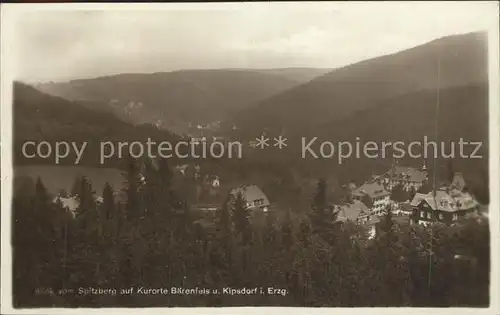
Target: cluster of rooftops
449 198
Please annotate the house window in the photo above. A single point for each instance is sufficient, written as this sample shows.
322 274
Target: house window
440 216
428 215
455 217
422 214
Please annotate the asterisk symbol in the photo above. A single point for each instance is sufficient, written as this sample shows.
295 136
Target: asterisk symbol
262 142
280 142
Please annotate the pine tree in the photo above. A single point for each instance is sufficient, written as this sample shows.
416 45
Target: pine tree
218 247
398 194
108 202
77 184
412 193
320 199
322 217
48 236
85 252
387 223
86 212
30 240
62 220
132 242
241 219
43 211
318 206
390 262
287 231
167 196
133 210
450 172
270 229
223 220
166 173
425 188
152 189
158 194
42 199
109 223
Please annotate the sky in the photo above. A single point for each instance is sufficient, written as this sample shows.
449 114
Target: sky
58 44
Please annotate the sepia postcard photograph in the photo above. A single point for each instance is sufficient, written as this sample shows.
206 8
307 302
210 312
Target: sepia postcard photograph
238 157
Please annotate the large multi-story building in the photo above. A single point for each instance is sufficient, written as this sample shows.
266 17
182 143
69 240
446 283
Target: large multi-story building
358 213
410 178
375 195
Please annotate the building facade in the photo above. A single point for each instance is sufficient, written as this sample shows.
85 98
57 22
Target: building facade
254 197
358 213
374 195
410 178
448 206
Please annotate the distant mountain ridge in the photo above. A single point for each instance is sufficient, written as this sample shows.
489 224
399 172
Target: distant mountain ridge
174 100
389 98
299 74
457 60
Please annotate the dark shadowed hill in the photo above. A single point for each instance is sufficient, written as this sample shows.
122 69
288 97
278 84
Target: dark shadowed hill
447 62
38 116
176 99
298 74
462 113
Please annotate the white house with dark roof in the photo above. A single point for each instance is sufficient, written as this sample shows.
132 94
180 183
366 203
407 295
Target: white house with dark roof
376 194
358 213
254 197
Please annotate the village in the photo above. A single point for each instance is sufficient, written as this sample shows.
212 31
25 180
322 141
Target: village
406 191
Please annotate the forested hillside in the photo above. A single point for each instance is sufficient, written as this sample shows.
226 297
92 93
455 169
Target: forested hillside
310 259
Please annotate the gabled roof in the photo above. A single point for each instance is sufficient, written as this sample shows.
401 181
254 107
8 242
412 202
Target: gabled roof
372 189
251 193
408 173
351 211
417 199
447 199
